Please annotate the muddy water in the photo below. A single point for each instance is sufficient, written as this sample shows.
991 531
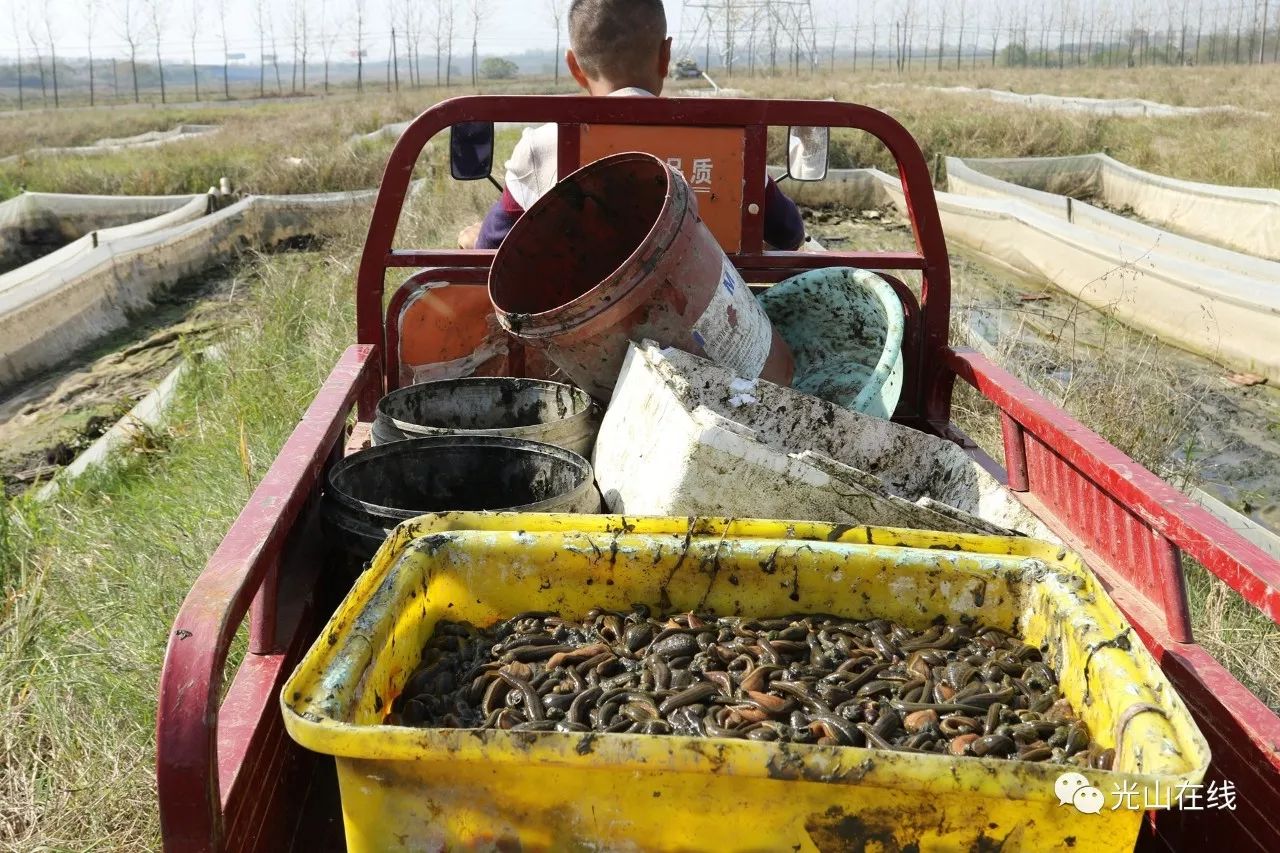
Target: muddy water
1232 438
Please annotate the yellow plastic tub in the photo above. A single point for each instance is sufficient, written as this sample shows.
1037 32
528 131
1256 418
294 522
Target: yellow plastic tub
415 789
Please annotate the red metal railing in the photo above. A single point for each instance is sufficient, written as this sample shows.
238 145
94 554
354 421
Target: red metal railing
224 765
921 400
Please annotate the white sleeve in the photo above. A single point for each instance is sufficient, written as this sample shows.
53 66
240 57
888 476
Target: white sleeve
531 171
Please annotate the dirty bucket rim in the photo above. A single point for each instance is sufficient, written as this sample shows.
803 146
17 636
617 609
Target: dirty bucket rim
589 407
589 304
582 466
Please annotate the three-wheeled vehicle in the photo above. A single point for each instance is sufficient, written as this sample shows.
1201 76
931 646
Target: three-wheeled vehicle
229 778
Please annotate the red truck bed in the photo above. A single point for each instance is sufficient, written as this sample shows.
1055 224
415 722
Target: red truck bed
230 779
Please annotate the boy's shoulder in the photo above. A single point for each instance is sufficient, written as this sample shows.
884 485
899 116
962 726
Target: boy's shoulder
531 171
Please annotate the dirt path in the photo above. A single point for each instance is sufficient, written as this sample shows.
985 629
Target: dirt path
1231 438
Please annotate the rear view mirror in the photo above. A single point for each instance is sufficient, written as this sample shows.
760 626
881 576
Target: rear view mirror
808 152
471 150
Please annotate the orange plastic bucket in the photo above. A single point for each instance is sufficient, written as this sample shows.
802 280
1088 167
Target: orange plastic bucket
616 252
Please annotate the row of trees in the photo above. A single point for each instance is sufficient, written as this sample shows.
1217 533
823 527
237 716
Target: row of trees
733 36
745 35
337 30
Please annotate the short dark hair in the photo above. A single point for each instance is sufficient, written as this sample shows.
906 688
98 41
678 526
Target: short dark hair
616 38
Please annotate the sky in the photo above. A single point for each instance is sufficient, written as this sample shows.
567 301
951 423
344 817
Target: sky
512 27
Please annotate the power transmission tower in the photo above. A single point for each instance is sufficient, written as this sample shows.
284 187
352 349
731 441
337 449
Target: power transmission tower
733 23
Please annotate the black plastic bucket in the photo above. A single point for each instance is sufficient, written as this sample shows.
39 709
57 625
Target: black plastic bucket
532 409
372 491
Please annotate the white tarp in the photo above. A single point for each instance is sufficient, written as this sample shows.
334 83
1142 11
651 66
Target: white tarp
1120 107
92 291
964 179
150 139
1243 218
15 280
1223 314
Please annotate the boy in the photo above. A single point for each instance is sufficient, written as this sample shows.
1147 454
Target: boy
618 48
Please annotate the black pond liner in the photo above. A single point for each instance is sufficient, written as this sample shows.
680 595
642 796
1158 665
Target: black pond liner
372 491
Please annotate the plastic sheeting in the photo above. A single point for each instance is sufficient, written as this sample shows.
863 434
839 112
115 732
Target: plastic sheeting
1120 107
1242 218
92 291
32 224
150 139
1145 277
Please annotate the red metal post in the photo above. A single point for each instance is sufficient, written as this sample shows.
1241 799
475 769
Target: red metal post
1173 588
756 142
1015 453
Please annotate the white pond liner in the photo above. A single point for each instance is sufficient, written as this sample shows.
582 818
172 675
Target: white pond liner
1246 219
53 307
1116 107
1219 304
680 438
150 139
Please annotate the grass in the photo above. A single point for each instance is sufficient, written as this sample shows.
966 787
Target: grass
290 147
1231 149
93 581
267 148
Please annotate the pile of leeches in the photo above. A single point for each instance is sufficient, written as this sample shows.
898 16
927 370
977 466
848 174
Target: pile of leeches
811 679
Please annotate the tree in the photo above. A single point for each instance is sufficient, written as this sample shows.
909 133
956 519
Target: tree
328 38
90 13
361 13
480 10
298 41
53 48
496 68
35 47
193 26
415 20
555 8
1262 45
446 14
275 51
260 10
130 31
17 40
226 49
393 58
995 31
306 39
156 9
942 29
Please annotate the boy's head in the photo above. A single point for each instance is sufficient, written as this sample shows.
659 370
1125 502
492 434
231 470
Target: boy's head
614 44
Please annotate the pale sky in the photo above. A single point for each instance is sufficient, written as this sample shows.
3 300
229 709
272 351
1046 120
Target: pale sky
513 26
517 25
